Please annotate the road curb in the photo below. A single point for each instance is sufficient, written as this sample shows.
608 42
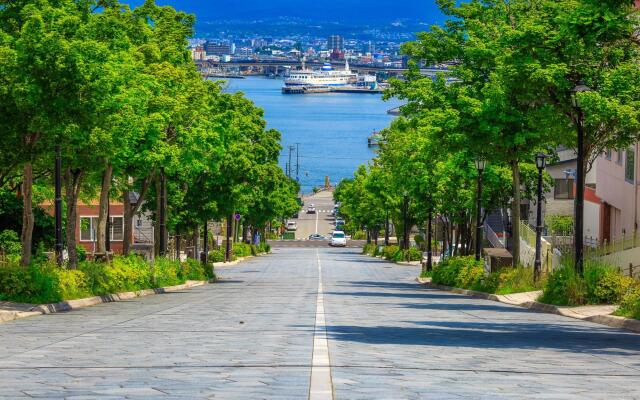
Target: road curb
236 261
70 305
612 321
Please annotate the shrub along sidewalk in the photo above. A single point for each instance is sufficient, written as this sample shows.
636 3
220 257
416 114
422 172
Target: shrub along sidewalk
392 253
592 297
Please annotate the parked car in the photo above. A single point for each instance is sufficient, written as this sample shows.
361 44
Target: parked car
311 209
339 221
292 226
316 236
338 239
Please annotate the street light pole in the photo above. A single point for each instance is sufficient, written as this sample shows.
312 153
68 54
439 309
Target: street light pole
579 204
429 228
386 228
541 162
58 206
405 211
480 165
205 256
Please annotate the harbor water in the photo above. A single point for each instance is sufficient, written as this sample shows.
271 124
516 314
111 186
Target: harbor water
331 129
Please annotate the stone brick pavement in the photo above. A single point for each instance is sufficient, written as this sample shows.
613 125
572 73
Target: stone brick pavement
392 339
251 337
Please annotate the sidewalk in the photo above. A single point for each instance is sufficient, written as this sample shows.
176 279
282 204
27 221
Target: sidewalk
11 311
600 314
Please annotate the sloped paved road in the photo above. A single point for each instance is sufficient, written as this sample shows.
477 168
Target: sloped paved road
252 337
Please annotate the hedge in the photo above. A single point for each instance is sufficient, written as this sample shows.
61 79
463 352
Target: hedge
48 284
467 273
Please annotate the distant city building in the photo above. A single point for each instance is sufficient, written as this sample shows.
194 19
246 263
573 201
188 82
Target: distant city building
244 52
198 53
219 49
337 55
259 43
370 48
335 42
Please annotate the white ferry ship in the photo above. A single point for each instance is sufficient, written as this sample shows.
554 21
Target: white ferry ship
325 77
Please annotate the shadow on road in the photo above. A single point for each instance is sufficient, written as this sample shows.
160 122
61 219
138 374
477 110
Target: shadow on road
482 335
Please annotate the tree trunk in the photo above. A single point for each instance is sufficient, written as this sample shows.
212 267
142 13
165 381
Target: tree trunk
28 219
196 242
130 210
128 223
515 214
103 210
73 182
245 232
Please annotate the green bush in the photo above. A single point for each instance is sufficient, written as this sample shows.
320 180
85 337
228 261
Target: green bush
123 274
564 288
166 272
192 270
601 284
45 283
630 304
82 253
560 224
376 250
241 250
264 248
10 243
369 249
461 272
217 255
605 284
389 252
413 254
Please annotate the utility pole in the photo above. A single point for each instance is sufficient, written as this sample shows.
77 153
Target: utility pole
298 162
291 148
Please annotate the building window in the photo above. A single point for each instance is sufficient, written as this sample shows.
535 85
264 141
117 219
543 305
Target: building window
629 167
117 228
563 189
607 154
619 158
89 226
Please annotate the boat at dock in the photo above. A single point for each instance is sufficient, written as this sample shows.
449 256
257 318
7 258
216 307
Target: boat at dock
374 139
327 80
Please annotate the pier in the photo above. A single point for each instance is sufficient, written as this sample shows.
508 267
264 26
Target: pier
329 89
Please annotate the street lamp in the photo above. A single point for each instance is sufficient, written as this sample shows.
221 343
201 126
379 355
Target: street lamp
541 163
481 164
429 228
579 203
405 211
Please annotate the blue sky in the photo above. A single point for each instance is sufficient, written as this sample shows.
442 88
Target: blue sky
325 10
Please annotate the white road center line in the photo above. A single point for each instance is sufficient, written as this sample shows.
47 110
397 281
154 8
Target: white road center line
321 387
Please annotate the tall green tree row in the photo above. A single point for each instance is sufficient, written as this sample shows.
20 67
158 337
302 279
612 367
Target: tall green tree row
116 91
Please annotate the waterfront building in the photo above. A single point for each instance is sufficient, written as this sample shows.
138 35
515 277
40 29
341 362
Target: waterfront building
219 49
335 43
